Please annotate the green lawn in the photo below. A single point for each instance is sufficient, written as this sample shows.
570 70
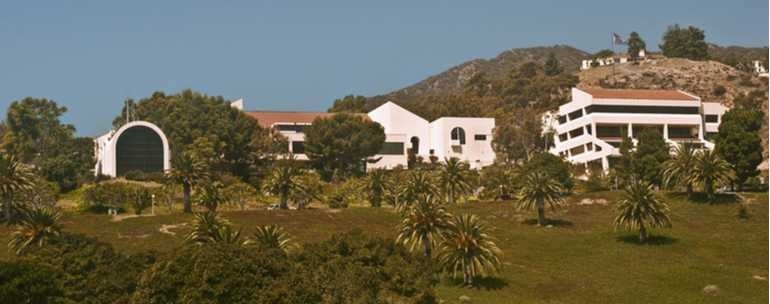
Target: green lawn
579 260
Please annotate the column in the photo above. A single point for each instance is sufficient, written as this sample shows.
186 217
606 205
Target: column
665 131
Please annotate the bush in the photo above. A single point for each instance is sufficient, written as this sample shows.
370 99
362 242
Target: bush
597 181
216 273
142 176
23 282
89 271
346 193
354 268
99 197
498 182
719 90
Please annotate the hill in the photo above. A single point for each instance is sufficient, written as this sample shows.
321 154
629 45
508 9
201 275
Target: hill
453 80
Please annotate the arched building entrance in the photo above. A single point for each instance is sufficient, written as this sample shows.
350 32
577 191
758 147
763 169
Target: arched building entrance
136 146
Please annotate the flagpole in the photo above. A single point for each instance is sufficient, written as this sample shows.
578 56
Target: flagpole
612 43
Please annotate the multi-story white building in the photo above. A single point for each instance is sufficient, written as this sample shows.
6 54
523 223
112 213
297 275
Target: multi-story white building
467 138
589 129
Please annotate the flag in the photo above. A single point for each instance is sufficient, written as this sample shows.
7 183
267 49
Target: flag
617 39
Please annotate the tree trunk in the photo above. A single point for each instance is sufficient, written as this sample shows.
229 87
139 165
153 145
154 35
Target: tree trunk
186 188
689 190
284 204
540 214
426 246
642 234
467 277
451 197
7 210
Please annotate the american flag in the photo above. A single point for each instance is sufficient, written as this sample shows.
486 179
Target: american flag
617 39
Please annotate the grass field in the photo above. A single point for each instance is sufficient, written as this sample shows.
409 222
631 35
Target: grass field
581 259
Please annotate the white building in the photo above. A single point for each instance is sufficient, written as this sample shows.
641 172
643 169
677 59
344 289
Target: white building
614 59
467 138
589 129
136 146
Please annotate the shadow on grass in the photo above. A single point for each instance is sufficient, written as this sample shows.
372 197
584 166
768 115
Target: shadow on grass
552 222
485 283
719 199
652 240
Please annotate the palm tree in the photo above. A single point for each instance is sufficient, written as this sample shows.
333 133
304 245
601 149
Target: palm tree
452 178
36 226
14 177
423 225
419 184
710 170
271 236
187 171
307 188
281 183
538 190
467 248
377 186
679 169
211 196
209 227
640 209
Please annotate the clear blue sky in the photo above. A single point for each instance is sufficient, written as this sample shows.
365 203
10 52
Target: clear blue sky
91 55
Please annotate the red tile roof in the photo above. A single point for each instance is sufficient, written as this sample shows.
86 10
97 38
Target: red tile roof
638 94
266 119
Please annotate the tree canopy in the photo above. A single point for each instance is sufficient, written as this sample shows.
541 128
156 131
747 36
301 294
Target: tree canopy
635 44
35 134
687 43
341 143
738 141
349 103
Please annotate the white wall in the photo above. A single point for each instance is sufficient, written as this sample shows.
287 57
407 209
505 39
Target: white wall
476 153
397 120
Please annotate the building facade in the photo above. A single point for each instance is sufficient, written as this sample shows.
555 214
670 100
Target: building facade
135 146
467 138
589 129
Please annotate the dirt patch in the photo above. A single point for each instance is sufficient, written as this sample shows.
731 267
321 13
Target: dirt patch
120 217
167 228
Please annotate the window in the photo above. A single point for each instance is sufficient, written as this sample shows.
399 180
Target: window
392 148
588 129
562 119
576 132
298 147
291 127
458 134
576 114
577 150
563 137
712 118
415 144
589 146
480 137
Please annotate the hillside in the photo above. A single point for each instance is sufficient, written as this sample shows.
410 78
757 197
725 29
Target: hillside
454 79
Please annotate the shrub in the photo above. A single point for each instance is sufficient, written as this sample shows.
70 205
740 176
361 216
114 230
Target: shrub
141 176
24 282
102 196
354 268
89 271
346 193
719 90
216 273
498 182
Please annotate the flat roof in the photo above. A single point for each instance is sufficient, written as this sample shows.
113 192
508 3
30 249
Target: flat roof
638 94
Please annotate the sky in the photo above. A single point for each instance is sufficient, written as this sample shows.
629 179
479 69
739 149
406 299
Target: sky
301 55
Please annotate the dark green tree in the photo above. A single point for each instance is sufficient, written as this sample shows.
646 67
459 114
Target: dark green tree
553 167
340 144
687 43
551 66
635 44
651 153
350 104
35 134
739 143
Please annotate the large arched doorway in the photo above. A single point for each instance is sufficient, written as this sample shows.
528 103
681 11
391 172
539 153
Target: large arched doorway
139 148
